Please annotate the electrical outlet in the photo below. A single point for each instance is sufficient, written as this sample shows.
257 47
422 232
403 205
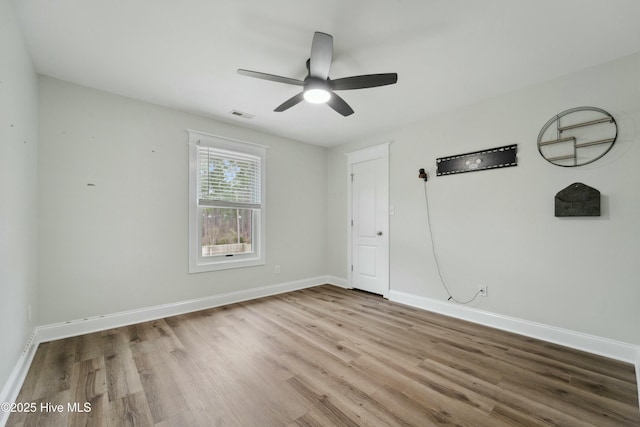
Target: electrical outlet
482 290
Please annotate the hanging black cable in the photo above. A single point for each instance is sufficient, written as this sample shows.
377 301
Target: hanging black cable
435 257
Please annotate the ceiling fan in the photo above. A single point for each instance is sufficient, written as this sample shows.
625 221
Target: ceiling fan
317 87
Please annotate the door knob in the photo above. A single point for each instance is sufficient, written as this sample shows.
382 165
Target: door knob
379 233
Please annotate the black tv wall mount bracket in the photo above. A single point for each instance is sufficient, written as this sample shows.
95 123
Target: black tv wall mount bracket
492 158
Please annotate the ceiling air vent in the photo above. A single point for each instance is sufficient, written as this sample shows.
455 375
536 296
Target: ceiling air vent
241 114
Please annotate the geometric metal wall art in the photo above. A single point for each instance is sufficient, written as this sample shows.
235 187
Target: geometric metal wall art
492 158
577 137
577 199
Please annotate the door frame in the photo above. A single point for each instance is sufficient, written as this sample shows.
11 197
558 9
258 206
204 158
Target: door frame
380 151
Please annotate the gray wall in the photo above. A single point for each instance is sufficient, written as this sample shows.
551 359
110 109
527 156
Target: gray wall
123 244
498 228
18 188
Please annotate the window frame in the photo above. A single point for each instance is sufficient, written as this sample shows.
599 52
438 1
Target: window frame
197 263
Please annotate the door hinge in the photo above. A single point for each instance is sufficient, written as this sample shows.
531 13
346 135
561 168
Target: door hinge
351 177
351 267
352 223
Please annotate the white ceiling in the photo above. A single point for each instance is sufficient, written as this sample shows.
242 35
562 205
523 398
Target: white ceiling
447 53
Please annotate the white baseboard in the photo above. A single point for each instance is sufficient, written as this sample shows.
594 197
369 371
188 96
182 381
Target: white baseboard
16 378
100 323
338 281
638 374
593 344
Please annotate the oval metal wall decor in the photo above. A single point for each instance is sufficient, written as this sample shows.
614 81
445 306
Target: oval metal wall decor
577 137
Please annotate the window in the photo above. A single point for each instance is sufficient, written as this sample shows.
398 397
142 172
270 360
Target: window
226 203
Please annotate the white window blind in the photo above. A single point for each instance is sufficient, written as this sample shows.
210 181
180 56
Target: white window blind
227 221
228 179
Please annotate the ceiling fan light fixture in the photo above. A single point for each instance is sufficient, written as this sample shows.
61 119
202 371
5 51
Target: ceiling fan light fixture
317 95
317 87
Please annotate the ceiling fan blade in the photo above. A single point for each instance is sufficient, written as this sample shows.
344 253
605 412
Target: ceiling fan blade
361 82
321 55
339 105
270 77
290 102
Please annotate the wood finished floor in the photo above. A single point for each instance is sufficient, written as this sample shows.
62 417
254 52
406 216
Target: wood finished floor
321 357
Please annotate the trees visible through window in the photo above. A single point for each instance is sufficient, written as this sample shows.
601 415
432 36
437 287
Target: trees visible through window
226 231
229 200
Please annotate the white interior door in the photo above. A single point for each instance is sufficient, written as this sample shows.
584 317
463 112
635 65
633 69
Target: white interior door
370 226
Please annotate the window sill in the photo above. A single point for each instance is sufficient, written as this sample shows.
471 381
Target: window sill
204 267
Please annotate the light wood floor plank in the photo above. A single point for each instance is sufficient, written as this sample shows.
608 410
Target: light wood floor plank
323 356
131 410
